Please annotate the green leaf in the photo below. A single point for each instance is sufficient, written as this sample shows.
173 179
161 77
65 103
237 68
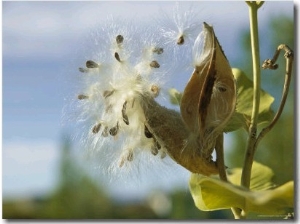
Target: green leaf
242 115
213 194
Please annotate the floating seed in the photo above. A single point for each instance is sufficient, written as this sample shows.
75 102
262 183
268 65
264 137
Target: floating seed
163 155
108 93
117 56
96 128
156 144
114 130
154 150
158 50
124 115
180 40
91 64
83 70
130 156
154 64
148 134
121 163
82 97
105 132
119 39
155 90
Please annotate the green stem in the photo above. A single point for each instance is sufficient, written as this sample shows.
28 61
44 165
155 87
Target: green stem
246 174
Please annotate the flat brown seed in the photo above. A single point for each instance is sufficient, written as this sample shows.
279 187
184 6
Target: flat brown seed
114 130
96 128
155 90
130 156
180 40
91 64
154 64
124 115
108 93
158 50
117 56
154 150
82 97
119 39
105 132
83 70
147 133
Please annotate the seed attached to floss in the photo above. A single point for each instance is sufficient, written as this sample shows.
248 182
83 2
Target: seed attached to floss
91 64
96 128
180 40
83 70
82 97
119 39
147 133
108 93
158 50
117 57
130 156
154 64
155 90
105 132
124 115
114 130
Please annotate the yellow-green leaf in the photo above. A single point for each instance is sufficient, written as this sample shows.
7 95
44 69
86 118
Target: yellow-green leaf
241 117
213 194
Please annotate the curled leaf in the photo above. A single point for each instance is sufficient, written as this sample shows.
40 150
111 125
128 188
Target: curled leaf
213 194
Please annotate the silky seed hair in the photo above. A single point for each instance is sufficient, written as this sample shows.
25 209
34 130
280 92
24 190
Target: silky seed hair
119 74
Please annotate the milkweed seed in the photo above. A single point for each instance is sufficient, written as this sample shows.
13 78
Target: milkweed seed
180 40
158 50
155 90
154 150
163 155
156 144
91 64
124 115
117 56
148 134
82 97
121 163
130 156
96 128
83 70
105 132
119 39
154 64
108 93
114 130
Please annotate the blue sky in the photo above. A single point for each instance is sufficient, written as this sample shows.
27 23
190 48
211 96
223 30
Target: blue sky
41 45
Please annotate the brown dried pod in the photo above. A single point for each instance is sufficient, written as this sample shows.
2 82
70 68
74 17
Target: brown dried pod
207 104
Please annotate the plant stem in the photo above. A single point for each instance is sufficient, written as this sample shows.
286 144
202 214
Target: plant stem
249 155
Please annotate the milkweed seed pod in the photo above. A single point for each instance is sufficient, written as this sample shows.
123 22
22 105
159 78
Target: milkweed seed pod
207 104
209 99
